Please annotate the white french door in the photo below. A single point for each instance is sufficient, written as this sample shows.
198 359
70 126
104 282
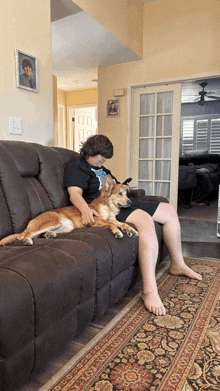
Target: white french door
154 142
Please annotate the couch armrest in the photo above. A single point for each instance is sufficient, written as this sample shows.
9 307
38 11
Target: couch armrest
153 198
140 194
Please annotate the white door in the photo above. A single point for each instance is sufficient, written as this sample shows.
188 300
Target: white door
85 125
155 136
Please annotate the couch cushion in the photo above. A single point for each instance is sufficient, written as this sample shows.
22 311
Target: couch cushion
115 258
209 167
196 152
200 159
24 155
32 182
14 192
187 177
51 175
61 274
17 327
6 223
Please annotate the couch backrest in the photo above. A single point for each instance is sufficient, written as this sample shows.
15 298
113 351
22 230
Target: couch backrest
32 182
199 159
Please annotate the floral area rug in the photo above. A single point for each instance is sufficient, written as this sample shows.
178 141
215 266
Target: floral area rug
178 351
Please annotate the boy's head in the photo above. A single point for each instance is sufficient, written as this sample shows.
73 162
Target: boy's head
97 145
26 63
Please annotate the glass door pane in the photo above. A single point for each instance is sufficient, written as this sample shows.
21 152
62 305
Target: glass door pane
147 104
146 169
164 125
162 188
165 102
147 126
163 148
147 186
162 169
146 148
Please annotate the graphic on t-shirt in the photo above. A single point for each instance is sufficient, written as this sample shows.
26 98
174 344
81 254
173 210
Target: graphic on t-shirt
101 175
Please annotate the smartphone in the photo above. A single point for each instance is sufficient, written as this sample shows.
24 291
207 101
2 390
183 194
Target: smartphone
127 181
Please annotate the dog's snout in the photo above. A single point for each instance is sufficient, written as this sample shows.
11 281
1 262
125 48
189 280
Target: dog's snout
128 203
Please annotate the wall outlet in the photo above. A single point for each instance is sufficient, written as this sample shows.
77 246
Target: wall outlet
15 126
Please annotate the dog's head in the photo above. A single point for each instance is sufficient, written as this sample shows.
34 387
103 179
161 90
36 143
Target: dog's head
116 192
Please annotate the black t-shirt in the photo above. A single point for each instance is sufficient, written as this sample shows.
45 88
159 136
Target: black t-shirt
89 178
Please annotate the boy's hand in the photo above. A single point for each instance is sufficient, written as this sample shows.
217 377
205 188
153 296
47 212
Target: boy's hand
87 216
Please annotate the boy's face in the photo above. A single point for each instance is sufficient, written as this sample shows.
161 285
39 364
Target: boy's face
28 71
96 161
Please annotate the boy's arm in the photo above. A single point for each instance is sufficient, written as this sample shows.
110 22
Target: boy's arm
78 201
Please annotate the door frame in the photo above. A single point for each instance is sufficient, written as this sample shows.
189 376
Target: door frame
130 103
61 130
70 130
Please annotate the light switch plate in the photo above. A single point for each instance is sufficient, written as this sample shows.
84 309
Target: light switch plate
15 126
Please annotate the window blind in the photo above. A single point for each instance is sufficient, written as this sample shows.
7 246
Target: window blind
215 136
187 135
200 133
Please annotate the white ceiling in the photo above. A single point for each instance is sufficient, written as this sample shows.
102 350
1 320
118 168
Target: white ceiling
190 90
80 45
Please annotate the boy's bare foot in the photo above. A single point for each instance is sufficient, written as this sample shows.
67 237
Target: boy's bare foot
153 303
178 270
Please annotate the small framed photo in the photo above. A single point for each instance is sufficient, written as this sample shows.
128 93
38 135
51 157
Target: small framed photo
112 108
26 71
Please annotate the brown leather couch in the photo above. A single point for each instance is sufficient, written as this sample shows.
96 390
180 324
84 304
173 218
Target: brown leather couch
50 291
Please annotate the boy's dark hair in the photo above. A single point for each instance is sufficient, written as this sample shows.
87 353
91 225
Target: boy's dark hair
97 145
26 63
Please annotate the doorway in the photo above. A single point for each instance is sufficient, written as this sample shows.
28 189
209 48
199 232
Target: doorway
82 123
200 134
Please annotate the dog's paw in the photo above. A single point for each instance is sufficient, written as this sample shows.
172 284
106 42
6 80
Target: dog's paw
50 234
118 234
132 232
28 242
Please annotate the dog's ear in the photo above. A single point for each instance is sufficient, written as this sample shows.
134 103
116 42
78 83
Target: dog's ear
109 185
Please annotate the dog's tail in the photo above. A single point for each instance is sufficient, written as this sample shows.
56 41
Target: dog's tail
9 239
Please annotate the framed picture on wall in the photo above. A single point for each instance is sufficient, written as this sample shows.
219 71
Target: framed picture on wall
26 71
112 108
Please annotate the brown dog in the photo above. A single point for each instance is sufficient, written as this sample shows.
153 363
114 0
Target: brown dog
62 220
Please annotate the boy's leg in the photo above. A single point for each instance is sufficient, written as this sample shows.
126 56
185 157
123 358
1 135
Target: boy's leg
147 255
166 215
148 251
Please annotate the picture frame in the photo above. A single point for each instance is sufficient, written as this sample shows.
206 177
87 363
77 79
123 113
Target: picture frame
26 71
113 108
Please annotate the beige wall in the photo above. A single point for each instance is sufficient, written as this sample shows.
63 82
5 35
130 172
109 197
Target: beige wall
181 39
82 97
61 97
77 97
123 18
25 25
